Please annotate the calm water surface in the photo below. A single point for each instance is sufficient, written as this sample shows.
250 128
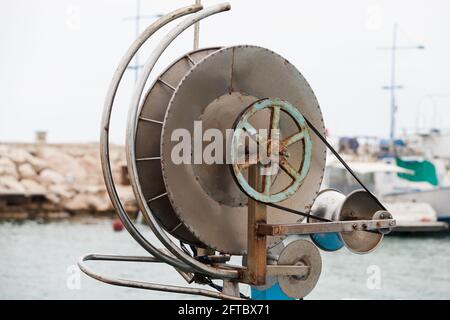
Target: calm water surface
37 260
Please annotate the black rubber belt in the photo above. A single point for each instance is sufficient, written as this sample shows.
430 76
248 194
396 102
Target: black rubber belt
336 154
342 161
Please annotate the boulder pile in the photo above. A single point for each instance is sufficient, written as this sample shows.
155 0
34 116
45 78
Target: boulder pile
68 175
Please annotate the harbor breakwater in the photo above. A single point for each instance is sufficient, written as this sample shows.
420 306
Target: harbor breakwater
58 180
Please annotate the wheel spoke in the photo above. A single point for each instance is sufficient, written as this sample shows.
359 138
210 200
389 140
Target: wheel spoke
267 183
290 170
275 118
253 133
293 139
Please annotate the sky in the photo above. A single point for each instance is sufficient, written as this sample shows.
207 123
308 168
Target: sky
57 58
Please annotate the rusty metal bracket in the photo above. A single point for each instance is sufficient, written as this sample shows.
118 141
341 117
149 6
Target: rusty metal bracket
283 270
323 227
257 244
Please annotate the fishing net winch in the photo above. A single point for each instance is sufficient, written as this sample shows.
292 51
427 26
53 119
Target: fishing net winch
247 203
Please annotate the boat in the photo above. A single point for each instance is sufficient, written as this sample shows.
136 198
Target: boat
416 205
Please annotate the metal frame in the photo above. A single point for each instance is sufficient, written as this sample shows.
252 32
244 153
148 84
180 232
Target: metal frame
257 268
323 227
140 284
104 134
131 156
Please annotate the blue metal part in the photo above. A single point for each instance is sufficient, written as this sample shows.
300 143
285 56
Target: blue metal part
327 241
273 293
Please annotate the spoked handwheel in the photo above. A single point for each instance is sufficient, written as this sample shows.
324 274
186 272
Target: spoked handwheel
271 153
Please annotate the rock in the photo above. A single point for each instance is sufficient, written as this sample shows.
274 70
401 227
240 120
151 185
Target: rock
8 168
32 186
49 176
91 189
26 171
12 184
54 200
19 155
4 150
38 164
62 190
100 204
78 203
69 175
59 160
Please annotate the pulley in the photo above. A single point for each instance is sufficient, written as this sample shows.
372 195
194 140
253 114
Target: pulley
278 150
358 205
300 253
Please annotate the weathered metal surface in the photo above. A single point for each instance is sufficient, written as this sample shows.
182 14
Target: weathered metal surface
326 207
280 156
279 270
236 70
360 205
231 288
383 214
326 227
257 244
300 253
218 183
272 256
148 135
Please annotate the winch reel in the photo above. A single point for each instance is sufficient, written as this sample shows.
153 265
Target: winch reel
220 208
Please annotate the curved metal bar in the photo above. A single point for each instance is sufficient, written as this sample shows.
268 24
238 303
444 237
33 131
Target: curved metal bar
130 143
143 285
104 135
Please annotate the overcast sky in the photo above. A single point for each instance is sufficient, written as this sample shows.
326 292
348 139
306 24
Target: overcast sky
57 58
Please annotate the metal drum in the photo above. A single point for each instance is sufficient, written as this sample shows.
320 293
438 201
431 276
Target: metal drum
148 135
216 91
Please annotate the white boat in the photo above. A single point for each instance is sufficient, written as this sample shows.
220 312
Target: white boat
410 202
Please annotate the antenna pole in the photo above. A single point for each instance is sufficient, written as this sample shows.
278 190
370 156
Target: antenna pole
137 19
393 87
197 30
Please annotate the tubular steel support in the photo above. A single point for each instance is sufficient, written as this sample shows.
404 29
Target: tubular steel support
140 284
131 155
104 135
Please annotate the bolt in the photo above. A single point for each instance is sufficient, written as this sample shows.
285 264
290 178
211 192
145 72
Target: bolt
355 226
286 154
391 223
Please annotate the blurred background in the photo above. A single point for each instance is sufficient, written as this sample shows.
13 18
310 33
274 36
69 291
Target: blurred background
368 62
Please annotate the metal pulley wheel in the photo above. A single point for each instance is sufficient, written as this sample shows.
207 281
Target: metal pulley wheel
300 253
273 146
201 203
